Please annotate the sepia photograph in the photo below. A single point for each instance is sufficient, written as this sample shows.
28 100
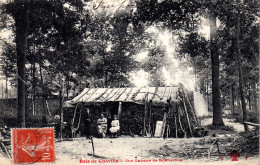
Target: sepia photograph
129 82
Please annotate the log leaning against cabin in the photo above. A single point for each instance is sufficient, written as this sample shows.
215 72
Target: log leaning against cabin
183 130
187 116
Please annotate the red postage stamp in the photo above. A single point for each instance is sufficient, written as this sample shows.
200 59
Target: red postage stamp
33 145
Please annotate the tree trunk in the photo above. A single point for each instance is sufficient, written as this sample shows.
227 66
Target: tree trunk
106 81
44 113
195 74
26 104
255 98
34 84
249 97
207 88
232 100
2 90
238 103
242 97
80 85
217 112
61 112
21 17
74 90
33 89
6 88
67 89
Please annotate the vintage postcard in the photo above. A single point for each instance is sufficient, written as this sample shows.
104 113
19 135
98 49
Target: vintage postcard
129 82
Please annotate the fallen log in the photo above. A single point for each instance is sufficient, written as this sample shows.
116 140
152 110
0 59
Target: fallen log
252 124
5 150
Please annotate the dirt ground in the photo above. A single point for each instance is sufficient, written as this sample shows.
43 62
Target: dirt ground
140 150
238 127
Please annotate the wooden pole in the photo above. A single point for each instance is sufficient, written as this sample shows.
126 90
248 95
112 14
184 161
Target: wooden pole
163 92
185 109
145 114
167 131
150 115
145 111
74 115
185 133
164 123
47 105
175 121
119 109
93 149
187 98
5 150
192 109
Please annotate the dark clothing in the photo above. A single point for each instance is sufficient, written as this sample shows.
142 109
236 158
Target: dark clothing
67 131
88 128
88 122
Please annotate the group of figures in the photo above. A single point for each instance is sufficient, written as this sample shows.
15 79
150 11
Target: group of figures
102 126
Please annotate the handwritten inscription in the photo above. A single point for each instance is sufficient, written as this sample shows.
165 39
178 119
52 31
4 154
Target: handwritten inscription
102 4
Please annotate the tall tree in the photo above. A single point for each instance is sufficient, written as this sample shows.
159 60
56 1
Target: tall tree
242 51
241 81
47 18
217 112
21 17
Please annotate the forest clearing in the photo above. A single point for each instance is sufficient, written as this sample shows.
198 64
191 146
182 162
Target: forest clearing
129 81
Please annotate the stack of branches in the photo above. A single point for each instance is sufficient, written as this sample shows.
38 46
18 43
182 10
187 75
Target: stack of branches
179 118
5 142
183 117
247 143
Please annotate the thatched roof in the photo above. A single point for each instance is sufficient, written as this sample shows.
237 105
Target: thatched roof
159 96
